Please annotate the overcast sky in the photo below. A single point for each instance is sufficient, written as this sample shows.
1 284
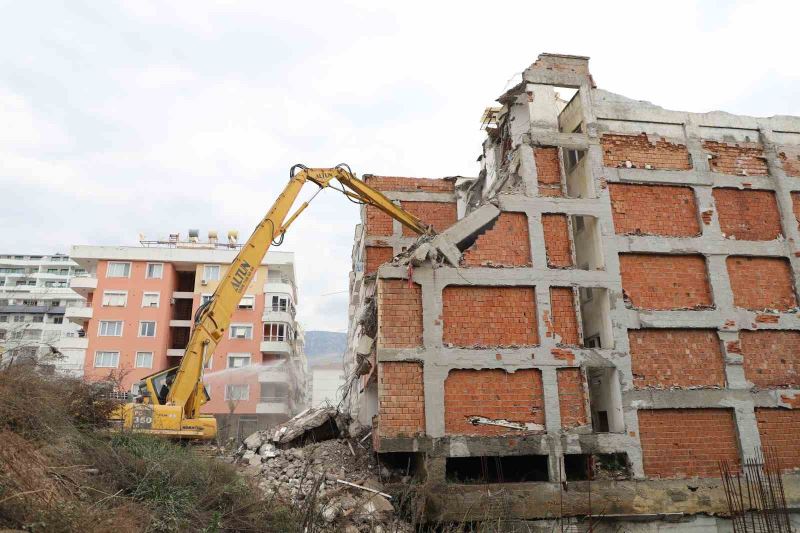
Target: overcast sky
120 118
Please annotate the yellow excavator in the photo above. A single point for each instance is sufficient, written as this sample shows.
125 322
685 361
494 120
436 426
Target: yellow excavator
168 402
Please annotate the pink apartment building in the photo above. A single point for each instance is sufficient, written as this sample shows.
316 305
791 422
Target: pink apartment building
140 302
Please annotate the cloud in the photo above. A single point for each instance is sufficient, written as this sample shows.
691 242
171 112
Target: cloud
144 116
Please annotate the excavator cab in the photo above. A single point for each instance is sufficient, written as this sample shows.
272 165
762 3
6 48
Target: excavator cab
149 413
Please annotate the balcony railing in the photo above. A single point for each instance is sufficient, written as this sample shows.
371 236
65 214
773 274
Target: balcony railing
273 399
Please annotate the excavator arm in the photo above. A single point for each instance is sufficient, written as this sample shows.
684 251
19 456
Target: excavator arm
184 385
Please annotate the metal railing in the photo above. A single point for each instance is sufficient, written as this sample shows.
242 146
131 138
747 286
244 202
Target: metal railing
274 399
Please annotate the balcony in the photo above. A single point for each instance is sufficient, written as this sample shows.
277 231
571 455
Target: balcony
83 285
175 352
78 312
183 295
280 287
275 314
180 323
273 405
73 343
272 345
273 376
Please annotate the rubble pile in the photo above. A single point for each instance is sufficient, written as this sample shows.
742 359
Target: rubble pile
339 479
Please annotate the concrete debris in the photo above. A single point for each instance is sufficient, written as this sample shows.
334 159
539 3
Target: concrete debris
311 425
339 478
365 343
483 421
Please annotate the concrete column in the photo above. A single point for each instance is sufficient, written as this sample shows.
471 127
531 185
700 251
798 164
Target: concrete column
785 205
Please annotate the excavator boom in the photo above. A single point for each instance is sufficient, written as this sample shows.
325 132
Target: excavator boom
170 400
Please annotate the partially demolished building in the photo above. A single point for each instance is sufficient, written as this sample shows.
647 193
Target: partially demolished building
614 298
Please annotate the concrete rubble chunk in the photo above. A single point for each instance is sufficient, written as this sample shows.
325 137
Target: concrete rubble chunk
463 232
364 346
267 451
254 441
377 505
316 424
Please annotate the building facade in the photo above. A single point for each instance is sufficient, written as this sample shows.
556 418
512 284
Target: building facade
140 304
618 303
34 292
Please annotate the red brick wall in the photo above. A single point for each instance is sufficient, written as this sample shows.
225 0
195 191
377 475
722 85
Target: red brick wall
399 314
656 281
761 282
378 223
557 241
401 399
748 215
507 243
654 210
548 171
494 394
489 316
618 148
681 443
440 215
562 315
741 159
796 206
676 358
376 256
779 429
572 398
771 358
790 160
393 183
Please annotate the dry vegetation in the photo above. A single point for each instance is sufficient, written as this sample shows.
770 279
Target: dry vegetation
61 470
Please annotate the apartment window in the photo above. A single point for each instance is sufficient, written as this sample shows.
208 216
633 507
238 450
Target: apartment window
115 298
237 392
147 328
2 334
274 331
106 359
110 328
144 359
55 303
211 272
3 318
204 299
58 320
238 360
52 271
118 270
38 318
151 299
241 331
280 303
64 271
248 301
19 318
155 270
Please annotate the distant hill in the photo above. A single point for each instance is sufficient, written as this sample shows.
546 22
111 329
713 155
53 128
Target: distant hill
324 347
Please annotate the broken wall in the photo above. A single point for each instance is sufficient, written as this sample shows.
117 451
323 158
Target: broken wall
629 293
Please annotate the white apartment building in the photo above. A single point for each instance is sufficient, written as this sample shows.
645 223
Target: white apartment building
34 293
